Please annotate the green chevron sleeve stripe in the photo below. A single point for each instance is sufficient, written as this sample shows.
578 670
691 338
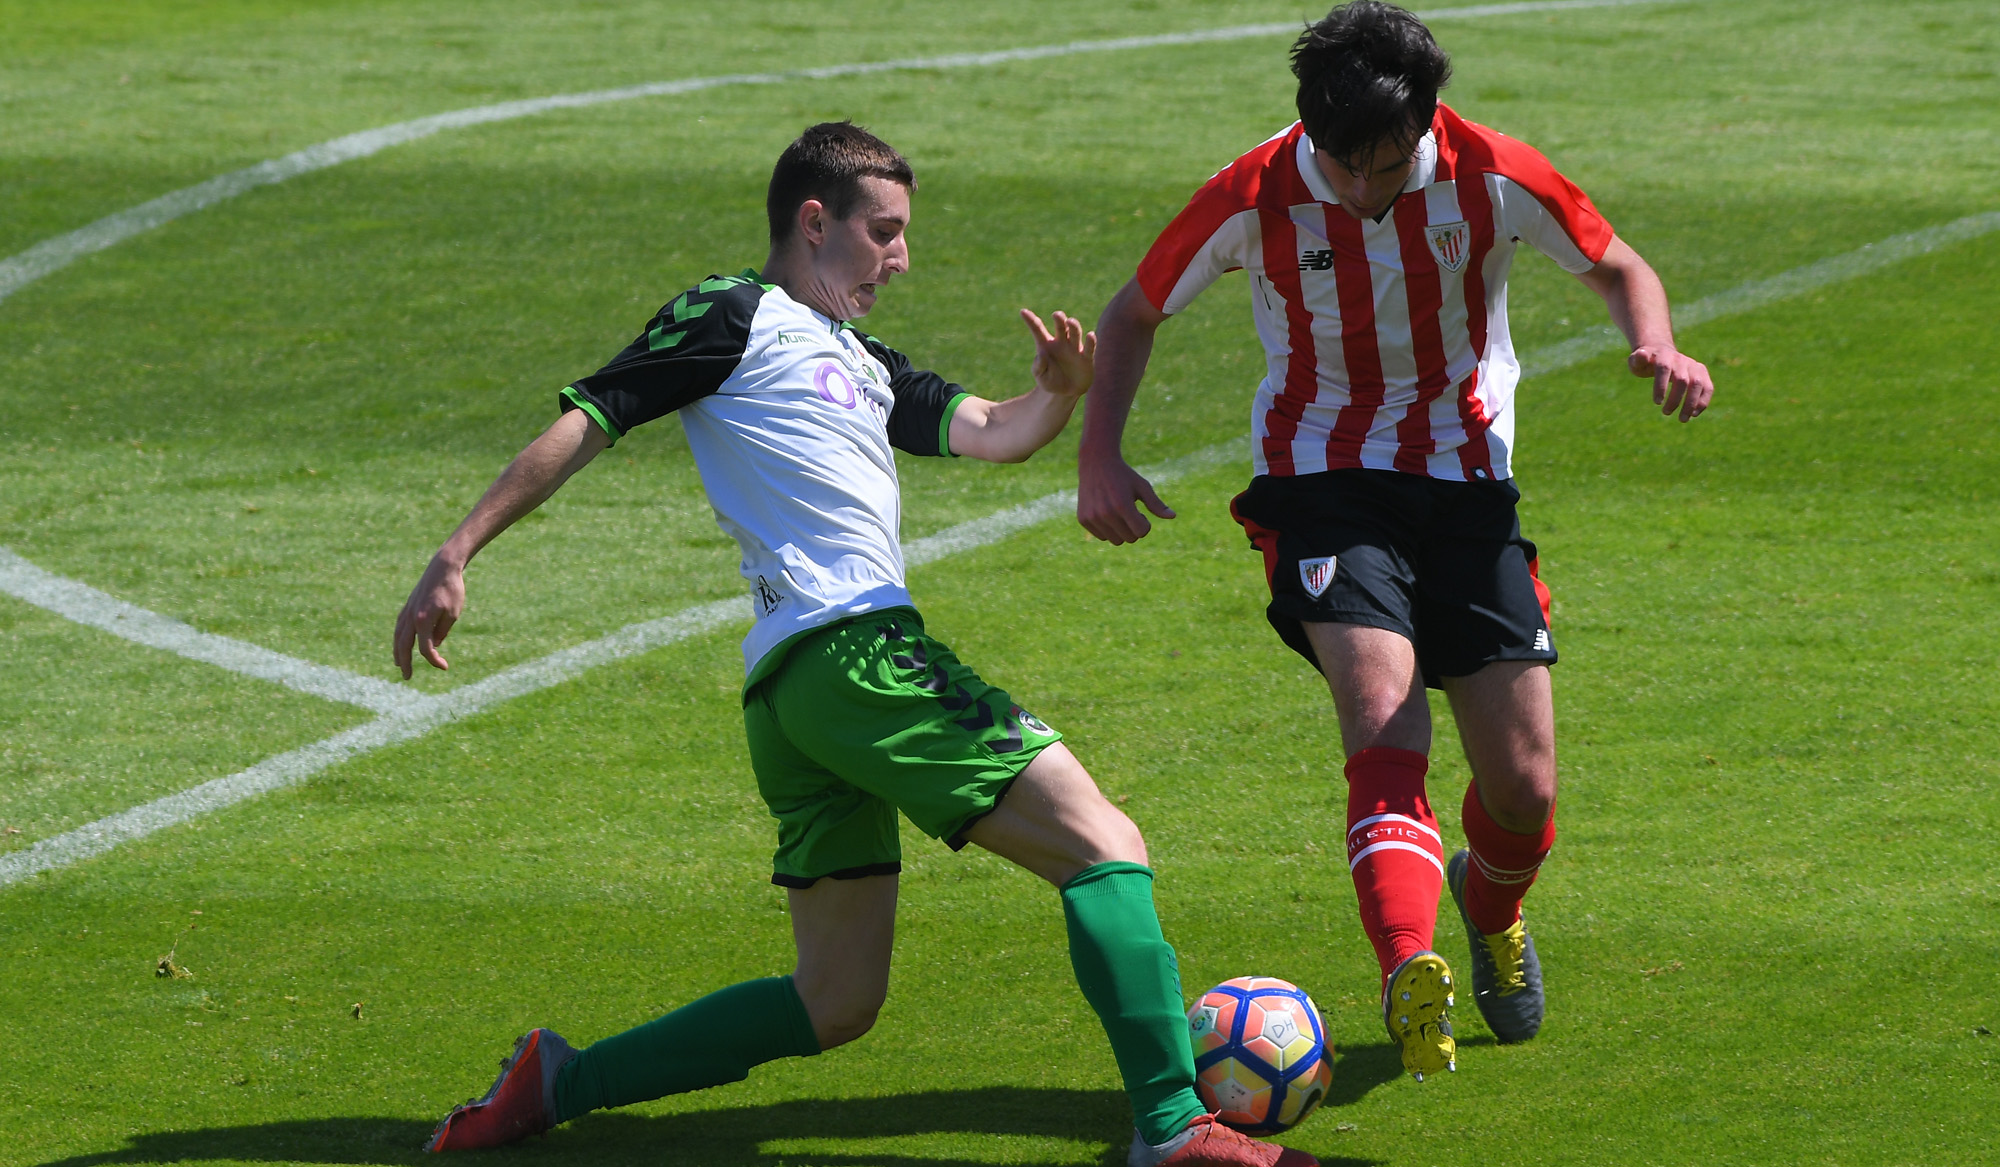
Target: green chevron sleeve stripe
681 311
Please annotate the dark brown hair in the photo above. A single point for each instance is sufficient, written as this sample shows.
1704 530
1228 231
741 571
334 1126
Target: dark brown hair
827 163
1368 72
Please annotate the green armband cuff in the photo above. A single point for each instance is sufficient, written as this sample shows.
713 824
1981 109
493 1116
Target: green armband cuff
944 425
579 401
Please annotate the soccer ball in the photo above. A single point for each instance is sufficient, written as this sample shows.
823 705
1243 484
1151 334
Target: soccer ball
1261 1059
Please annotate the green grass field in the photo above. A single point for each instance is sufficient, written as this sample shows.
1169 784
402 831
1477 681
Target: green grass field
1771 926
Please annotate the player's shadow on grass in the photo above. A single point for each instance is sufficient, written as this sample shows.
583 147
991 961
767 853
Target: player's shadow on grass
945 1129
1361 1068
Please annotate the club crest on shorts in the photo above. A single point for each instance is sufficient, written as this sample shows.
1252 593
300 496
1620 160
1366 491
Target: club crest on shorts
1031 721
1316 575
1450 243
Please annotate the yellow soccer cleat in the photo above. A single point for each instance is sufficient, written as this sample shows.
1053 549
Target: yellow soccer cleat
1414 1003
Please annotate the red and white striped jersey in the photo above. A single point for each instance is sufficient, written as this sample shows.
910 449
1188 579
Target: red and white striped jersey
1385 342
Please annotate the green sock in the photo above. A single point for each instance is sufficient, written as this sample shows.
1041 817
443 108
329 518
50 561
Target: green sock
1129 975
705 1043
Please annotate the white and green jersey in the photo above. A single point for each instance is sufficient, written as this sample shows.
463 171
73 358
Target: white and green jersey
791 416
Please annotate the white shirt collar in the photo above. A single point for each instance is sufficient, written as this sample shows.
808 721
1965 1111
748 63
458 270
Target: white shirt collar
1421 175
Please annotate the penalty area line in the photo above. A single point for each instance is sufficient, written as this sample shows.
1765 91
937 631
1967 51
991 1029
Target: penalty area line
88 606
414 720
57 252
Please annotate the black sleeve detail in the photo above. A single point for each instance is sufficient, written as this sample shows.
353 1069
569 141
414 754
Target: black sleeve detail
689 348
924 401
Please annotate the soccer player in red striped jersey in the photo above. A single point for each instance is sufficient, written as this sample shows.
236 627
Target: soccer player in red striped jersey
1377 233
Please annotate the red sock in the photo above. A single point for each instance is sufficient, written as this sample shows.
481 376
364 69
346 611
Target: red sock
1504 865
1393 852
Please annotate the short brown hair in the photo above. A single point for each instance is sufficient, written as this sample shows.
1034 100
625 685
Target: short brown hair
827 163
1368 72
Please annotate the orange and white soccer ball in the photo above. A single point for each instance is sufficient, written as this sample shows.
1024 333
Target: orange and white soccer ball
1261 1059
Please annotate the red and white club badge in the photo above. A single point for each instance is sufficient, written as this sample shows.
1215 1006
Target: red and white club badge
1316 574
1450 243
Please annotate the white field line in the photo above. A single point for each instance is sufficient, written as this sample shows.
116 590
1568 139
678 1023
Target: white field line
412 715
86 605
58 252
414 720
1783 286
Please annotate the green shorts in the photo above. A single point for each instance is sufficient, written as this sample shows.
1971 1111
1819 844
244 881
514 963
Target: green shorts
868 717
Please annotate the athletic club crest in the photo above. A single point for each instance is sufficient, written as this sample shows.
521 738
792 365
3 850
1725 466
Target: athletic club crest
1316 574
1450 243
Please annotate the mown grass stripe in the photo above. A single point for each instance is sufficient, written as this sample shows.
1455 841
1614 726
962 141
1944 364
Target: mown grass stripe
297 765
53 254
416 720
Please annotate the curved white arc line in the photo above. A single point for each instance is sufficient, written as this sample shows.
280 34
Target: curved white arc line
58 252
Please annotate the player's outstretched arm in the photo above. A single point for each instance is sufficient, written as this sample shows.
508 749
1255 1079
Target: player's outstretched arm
1108 491
1638 304
1011 430
535 473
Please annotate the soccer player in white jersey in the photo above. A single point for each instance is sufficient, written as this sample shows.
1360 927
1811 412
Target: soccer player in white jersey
853 712
1377 232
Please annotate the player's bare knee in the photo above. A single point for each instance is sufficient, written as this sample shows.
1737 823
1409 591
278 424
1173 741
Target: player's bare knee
1521 804
1385 722
1116 838
846 1022
840 1012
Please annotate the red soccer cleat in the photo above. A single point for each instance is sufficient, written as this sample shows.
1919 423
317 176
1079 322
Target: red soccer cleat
521 1103
1208 1143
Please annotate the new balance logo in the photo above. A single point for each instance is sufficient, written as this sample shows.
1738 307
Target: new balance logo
1316 260
1541 640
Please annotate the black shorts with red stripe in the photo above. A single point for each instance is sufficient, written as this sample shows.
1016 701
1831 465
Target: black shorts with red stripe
1443 563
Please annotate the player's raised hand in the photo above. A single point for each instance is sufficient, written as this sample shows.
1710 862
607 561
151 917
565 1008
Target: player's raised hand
1679 381
1108 494
1065 358
427 616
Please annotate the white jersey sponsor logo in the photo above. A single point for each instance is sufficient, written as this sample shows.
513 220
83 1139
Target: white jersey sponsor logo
794 451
